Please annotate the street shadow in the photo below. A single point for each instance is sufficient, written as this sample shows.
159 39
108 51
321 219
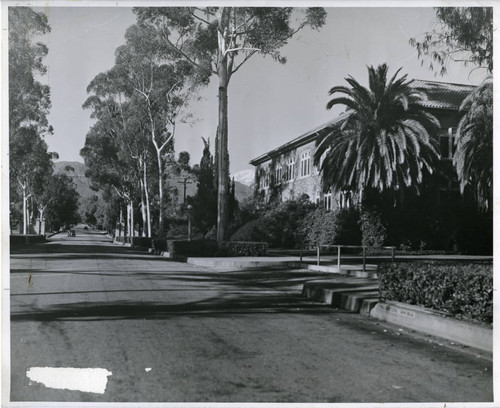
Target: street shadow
240 305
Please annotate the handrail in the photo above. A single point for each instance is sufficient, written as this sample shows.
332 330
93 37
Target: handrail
392 248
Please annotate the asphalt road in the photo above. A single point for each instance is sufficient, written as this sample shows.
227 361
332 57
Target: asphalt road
168 331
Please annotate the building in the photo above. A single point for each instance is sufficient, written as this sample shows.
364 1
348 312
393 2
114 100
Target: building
288 172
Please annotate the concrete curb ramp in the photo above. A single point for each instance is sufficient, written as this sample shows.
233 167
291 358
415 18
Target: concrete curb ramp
435 323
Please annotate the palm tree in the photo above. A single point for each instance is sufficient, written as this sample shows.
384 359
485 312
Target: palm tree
474 155
384 139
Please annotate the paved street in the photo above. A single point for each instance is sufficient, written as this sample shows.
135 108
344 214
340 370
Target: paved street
169 331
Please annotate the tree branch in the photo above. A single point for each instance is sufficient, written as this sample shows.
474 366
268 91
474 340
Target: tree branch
248 56
187 57
197 17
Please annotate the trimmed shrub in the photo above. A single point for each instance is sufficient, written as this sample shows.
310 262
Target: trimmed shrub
142 242
348 228
26 239
159 244
252 231
282 222
209 248
475 233
320 227
199 247
373 230
234 248
463 289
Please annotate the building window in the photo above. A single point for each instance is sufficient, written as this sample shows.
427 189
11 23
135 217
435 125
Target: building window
447 143
305 164
345 199
328 200
290 170
264 179
278 174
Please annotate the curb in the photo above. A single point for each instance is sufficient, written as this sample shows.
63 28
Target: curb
221 263
435 323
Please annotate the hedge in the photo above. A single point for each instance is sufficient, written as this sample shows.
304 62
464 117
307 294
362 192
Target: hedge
199 247
238 248
143 242
463 289
209 248
26 239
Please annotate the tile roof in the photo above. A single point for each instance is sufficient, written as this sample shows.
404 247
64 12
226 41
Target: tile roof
298 141
440 95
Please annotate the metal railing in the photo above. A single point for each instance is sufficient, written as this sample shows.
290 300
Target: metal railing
363 247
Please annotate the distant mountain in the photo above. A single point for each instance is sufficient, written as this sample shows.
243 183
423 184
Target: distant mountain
243 181
241 191
76 171
245 177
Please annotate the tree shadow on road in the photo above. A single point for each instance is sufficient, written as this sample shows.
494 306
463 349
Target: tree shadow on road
230 306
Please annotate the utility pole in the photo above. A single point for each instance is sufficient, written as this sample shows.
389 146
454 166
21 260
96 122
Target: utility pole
187 180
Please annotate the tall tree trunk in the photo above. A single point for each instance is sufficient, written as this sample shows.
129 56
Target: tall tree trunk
40 215
143 210
25 210
132 228
222 171
146 193
120 222
160 191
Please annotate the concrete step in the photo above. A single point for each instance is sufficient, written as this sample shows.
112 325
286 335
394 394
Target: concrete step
331 292
363 274
367 305
352 301
349 270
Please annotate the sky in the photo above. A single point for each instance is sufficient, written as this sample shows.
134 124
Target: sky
269 103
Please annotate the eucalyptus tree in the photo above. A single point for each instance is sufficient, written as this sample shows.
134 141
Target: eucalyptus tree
474 154
30 164
218 41
29 103
384 140
161 87
109 165
58 201
460 34
119 116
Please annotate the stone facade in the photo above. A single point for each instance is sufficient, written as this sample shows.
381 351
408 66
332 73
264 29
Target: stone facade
288 172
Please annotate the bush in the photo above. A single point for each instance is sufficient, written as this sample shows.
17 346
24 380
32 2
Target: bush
142 242
159 244
348 228
373 230
234 248
320 227
199 247
252 231
475 233
282 222
463 289
209 248
26 239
